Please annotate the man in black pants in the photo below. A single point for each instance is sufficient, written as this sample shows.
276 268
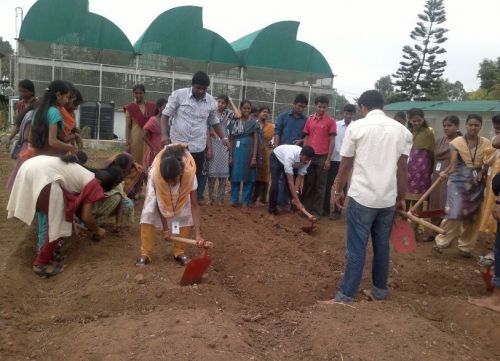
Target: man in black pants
349 111
284 159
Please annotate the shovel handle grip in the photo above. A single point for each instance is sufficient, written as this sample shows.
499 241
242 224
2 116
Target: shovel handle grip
193 242
309 215
420 221
425 195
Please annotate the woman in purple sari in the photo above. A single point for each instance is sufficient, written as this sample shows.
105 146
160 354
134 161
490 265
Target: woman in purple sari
421 161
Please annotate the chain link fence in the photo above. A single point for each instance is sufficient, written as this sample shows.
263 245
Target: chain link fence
113 83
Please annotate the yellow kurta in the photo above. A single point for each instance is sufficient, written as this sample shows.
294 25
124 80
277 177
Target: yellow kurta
263 168
487 223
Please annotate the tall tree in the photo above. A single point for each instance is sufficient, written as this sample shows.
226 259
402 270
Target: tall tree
5 47
489 73
5 51
420 71
449 91
384 86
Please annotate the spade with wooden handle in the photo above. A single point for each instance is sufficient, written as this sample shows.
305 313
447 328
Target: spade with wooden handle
308 229
420 221
197 266
424 196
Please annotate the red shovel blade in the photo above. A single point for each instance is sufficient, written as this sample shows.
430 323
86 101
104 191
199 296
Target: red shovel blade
195 269
402 237
488 278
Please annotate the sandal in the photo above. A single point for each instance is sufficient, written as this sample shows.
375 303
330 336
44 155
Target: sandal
437 249
142 261
182 259
464 254
47 270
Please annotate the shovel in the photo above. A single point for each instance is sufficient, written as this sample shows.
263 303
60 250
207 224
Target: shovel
426 224
402 237
428 213
308 229
197 266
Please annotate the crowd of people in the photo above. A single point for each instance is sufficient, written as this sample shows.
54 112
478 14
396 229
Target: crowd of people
176 146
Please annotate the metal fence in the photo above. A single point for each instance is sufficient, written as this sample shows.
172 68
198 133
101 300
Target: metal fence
112 83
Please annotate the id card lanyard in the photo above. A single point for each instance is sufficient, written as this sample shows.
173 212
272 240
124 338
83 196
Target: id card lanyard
473 158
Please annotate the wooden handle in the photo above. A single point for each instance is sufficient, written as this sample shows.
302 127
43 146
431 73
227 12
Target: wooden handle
425 195
309 215
420 221
206 244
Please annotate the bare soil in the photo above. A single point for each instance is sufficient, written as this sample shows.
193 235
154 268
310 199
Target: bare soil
257 302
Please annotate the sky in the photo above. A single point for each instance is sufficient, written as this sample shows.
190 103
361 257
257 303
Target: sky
362 40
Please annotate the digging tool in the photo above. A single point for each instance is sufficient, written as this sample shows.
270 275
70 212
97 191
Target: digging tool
428 213
403 237
424 196
308 229
197 266
426 224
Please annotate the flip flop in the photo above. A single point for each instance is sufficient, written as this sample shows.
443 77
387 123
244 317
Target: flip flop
368 295
48 270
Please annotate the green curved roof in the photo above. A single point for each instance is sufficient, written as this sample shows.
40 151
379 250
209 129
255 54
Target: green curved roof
179 32
70 23
276 46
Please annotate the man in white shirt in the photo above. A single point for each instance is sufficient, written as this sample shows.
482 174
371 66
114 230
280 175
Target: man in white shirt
376 150
284 160
349 111
192 110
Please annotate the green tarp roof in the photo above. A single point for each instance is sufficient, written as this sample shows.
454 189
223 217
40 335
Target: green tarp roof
463 106
70 23
276 46
179 33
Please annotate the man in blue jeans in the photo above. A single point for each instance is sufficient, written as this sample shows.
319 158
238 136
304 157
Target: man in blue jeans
376 150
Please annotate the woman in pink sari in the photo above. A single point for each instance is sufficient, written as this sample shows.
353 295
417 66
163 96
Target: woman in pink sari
421 161
152 133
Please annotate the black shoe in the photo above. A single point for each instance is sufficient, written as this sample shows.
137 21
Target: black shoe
273 211
142 261
182 259
334 216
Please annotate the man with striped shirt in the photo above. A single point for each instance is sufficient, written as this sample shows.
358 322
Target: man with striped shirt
192 110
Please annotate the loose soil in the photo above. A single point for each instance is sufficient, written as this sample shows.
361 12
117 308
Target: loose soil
257 302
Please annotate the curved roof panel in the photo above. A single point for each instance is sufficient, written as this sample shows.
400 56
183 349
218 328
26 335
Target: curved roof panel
179 32
276 46
71 23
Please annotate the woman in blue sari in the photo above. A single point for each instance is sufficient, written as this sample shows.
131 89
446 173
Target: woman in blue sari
244 137
465 176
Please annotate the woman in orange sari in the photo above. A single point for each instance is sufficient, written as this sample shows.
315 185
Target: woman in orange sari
133 173
136 116
70 133
171 202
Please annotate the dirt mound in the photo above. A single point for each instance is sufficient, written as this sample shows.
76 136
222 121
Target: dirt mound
257 302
